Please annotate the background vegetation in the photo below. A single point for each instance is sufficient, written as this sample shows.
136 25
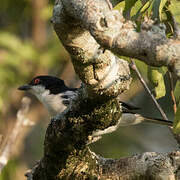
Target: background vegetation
29 47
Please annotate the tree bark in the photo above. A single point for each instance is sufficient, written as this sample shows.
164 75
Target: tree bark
38 23
90 31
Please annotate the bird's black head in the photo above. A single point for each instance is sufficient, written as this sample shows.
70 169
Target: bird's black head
51 83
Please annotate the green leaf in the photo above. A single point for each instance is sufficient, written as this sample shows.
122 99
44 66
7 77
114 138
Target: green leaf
120 6
177 91
174 8
145 6
154 8
128 6
156 77
161 6
157 7
176 123
142 10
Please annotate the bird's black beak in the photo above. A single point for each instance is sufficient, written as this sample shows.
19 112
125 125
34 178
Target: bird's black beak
24 87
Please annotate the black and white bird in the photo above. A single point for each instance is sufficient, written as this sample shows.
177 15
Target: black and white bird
56 97
51 92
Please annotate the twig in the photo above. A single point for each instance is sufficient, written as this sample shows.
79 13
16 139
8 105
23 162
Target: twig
172 92
109 4
7 149
133 66
1 139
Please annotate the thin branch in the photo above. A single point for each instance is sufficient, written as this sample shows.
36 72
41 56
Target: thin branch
172 92
133 66
1 139
109 4
21 118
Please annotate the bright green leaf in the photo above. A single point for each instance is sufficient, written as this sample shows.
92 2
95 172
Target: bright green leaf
177 91
128 6
136 8
174 8
176 123
156 77
142 10
120 6
145 6
162 4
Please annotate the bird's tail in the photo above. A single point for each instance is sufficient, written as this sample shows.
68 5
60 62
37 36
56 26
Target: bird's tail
159 121
132 119
129 117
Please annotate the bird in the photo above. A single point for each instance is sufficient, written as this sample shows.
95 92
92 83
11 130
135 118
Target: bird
53 93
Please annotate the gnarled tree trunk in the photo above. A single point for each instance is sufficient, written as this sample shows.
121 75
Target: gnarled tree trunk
92 31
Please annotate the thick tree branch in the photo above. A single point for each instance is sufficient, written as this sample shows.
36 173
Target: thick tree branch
66 154
67 137
111 31
149 165
102 72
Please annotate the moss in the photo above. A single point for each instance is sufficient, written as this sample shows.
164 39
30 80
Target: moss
79 165
100 116
66 151
88 117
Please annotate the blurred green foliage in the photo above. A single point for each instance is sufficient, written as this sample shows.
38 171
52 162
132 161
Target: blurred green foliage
174 8
20 60
9 170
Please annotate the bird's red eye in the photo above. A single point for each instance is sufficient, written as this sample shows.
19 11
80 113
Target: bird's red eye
36 81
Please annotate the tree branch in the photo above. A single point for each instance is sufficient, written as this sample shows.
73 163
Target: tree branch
103 72
111 31
21 119
133 66
149 165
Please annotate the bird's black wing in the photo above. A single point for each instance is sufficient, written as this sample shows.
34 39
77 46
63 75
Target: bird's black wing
67 97
128 108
